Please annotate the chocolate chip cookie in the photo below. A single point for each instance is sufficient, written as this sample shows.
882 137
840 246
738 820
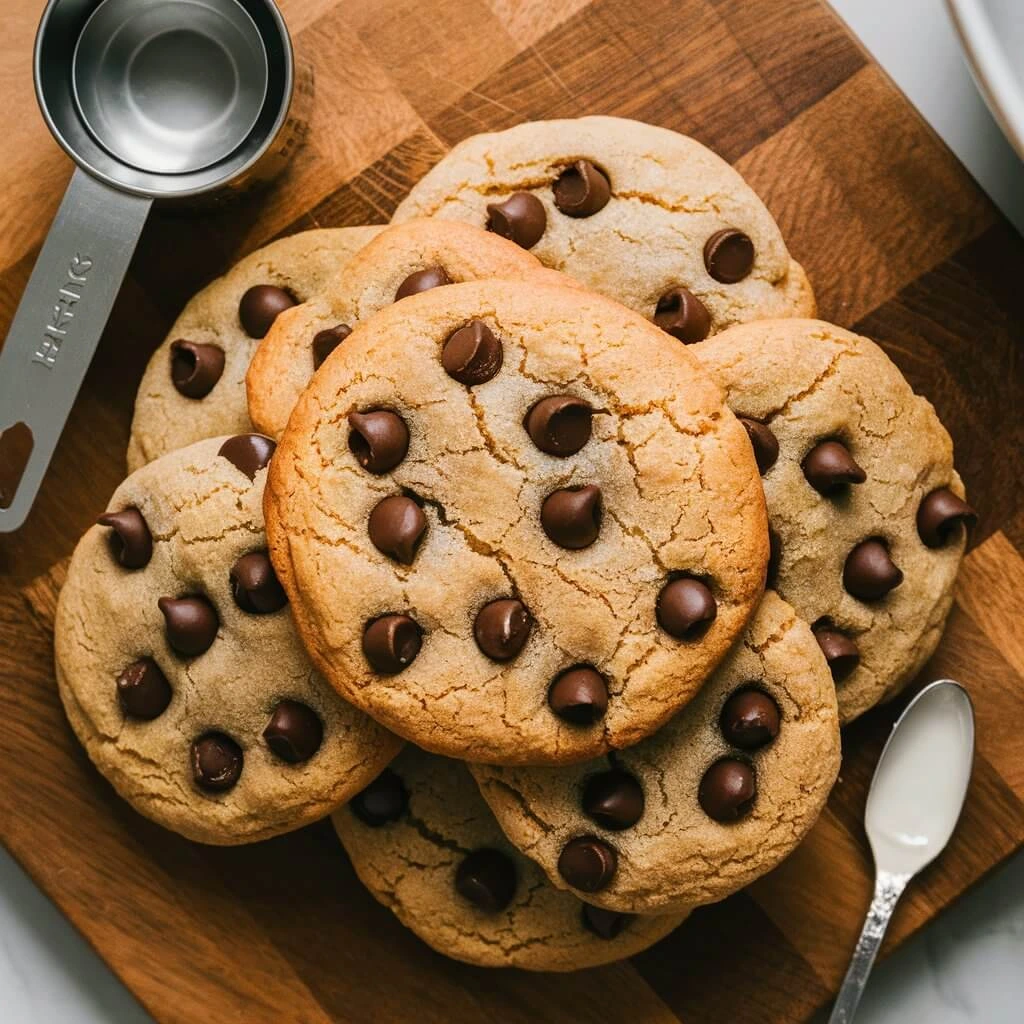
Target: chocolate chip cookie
403 260
194 385
716 798
642 214
516 521
867 512
179 666
424 843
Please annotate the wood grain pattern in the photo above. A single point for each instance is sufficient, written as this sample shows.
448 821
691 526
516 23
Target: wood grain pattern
900 243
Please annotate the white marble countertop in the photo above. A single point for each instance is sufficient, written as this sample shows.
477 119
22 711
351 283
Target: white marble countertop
967 965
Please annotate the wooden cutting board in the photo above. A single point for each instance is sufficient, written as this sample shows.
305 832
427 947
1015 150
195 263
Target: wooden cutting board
899 243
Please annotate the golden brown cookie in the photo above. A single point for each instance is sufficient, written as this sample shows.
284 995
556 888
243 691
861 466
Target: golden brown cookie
517 522
179 666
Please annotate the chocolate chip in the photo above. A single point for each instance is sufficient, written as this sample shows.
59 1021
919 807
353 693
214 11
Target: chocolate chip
829 467
559 425
255 586
502 628
680 313
391 643
260 306
571 517
939 515
191 624
614 799
216 761
869 573
520 218
294 732
727 790
472 354
579 695
764 443
378 439
841 653
729 255
143 690
195 367
248 453
588 863
605 924
750 719
384 800
771 575
396 527
326 341
487 878
131 542
685 607
582 189
422 281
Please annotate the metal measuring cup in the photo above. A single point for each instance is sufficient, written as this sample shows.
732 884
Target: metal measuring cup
153 100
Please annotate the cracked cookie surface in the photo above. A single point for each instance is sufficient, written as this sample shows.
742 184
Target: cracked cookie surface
631 210
679 836
862 495
428 848
661 488
289 355
203 712
165 418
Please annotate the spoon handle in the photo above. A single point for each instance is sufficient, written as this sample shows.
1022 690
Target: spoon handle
888 889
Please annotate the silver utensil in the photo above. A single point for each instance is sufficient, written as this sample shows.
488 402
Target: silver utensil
913 806
154 100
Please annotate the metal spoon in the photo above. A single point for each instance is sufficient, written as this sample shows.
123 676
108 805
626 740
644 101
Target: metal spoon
913 805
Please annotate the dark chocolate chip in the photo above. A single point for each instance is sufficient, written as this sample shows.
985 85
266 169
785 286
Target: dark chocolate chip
378 439
422 281
216 761
472 354
294 732
582 189
391 643
685 607
727 790
502 628
829 467
729 255
605 924
260 306
487 878
130 541
559 425
143 690
248 453
774 558
870 573
841 653
750 719
588 863
614 799
326 341
579 695
384 800
764 443
191 624
255 586
680 313
940 514
396 527
520 218
195 367
571 517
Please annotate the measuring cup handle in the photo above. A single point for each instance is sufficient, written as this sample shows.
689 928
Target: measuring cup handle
56 329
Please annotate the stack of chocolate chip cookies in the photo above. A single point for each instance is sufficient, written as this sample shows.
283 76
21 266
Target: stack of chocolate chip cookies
542 538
